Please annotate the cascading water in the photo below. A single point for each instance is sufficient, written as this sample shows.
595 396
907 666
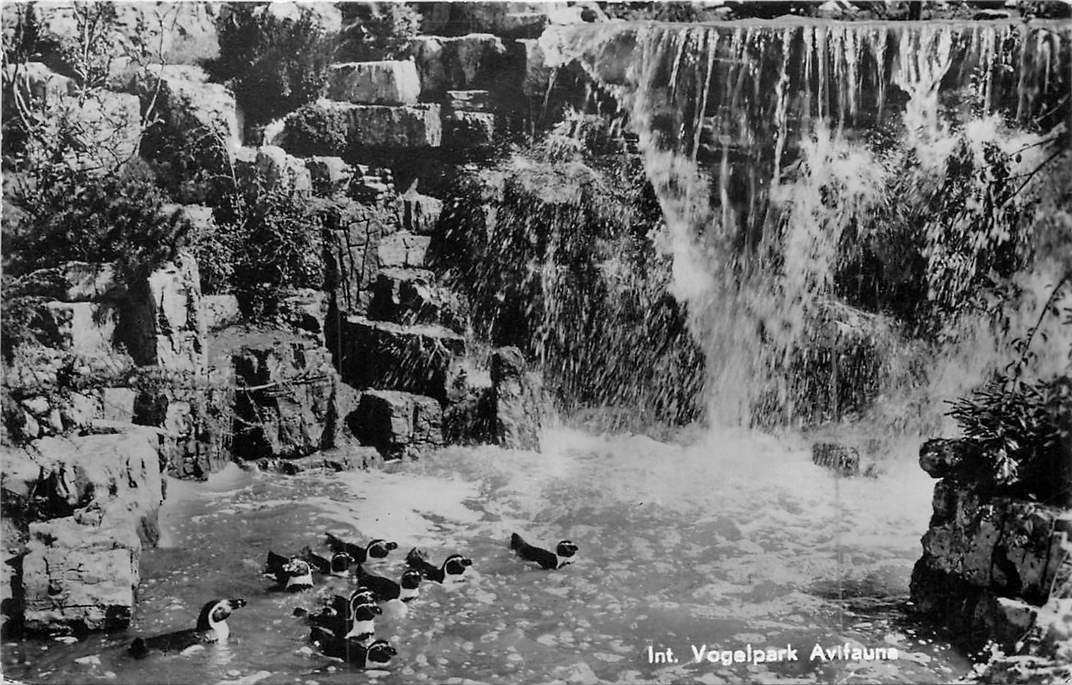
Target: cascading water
771 147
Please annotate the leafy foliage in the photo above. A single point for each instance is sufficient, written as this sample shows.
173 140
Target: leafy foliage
274 63
273 239
377 30
317 130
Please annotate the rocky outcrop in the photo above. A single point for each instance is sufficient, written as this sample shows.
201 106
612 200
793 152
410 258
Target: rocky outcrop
420 212
390 82
79 509
284 404
991 562
412 296
416 359
349 129
465 62
163 321
515 405
272 167
352 233
403 250
329 175
398 424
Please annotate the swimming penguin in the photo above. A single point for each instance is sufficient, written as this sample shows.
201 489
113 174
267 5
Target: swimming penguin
386 589
452 569
337 565
342 605
375 549
211 627
292 575
564 552
359 621
376 655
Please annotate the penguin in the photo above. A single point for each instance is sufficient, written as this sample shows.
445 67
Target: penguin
452 569
211 627
375 549
292 575
564 553
338 565
342 605
359 621
386 589
376 655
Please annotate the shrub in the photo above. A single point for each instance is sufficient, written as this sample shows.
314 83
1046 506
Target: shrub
275 239
273 63
377 30
316 131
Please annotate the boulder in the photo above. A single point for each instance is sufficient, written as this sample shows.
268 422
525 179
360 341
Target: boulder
197 126
305 309
389 82
843 460
403 250
412 296
470 129
398 424
163 322
516 405
274 168
284 403
221 311
353 128
535 73
83 328
117 404
372 184
420 213
104 127
352 233
79 576
329 175
36 81
955 459
467 62
416 359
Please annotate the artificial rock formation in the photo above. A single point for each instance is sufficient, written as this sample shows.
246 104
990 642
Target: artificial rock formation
992 562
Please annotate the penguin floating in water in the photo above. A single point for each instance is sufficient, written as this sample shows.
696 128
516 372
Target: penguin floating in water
376 655
358 622
375 549
292 575
452 569
338 565
211 627
386 589
564 553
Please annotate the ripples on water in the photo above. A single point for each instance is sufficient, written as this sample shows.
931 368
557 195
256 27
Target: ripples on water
734 539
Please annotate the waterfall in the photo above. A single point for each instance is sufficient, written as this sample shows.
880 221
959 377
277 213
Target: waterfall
769 146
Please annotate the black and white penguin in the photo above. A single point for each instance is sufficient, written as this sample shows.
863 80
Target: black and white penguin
343 605
375 549
452 569
564 552
386 589
292 575
358 622
338 565
376 655
211 627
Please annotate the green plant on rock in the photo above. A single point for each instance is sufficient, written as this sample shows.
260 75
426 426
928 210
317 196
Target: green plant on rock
377 30
276 241
274 62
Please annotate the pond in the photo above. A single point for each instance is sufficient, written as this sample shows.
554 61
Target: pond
717 542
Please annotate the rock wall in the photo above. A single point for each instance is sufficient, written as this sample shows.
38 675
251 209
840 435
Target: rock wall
994 564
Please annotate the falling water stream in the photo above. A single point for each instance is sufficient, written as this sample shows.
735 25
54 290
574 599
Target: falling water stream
719 537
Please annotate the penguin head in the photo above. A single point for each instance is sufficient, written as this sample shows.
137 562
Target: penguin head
411 579
379 654
379 549
366 612
566 548
340 563
215 613
455 565
361 595
297 567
